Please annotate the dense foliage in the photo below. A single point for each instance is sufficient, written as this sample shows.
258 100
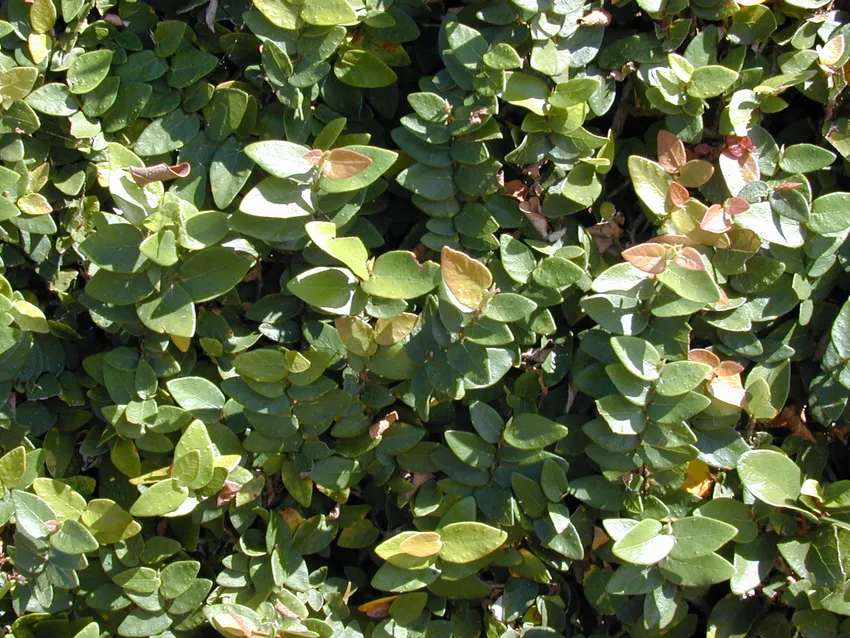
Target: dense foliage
362 318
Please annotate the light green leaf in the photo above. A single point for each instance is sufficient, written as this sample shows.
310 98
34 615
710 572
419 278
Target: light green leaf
771 477
644 544
468 541
529 431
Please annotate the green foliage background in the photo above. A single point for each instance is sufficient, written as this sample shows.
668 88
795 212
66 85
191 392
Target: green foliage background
369 318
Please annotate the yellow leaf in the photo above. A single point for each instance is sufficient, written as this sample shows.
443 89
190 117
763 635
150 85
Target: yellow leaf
422 544
378 608
467 278
698 479
182 343
390 331
356 335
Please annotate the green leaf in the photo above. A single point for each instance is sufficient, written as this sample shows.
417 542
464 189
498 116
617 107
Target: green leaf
13 464
805 158
527 91
398 275
679 377
332 290
507 306
88 70
349 250
469 541
160 499
264 365
696 285
528 431
428 182
279 158
115 248
171 312
53 99
711 80
638 355
643 544
471 448
32 514
651 183
830 213
697 572
74 538
556 272
356 68
621 415
771 477
199 396
697 536
178 577
214 271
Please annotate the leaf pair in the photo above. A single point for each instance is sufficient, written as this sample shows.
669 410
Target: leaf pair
653 256
673 156
724 379
718 219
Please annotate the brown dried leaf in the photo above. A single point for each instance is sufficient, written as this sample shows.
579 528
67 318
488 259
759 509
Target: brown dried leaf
531 210
228 493
284 610
605 233
789 418
159 173
671 152
651 258
516 189
382 425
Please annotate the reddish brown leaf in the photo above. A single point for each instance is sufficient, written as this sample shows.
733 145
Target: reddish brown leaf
651 258
704 356
341 163
737 205
689 259
159 172
314 156
716 220
671 240
728 369
678 194
671 152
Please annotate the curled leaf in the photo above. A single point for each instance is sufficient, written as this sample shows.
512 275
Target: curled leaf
159 172
379 608
382 425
